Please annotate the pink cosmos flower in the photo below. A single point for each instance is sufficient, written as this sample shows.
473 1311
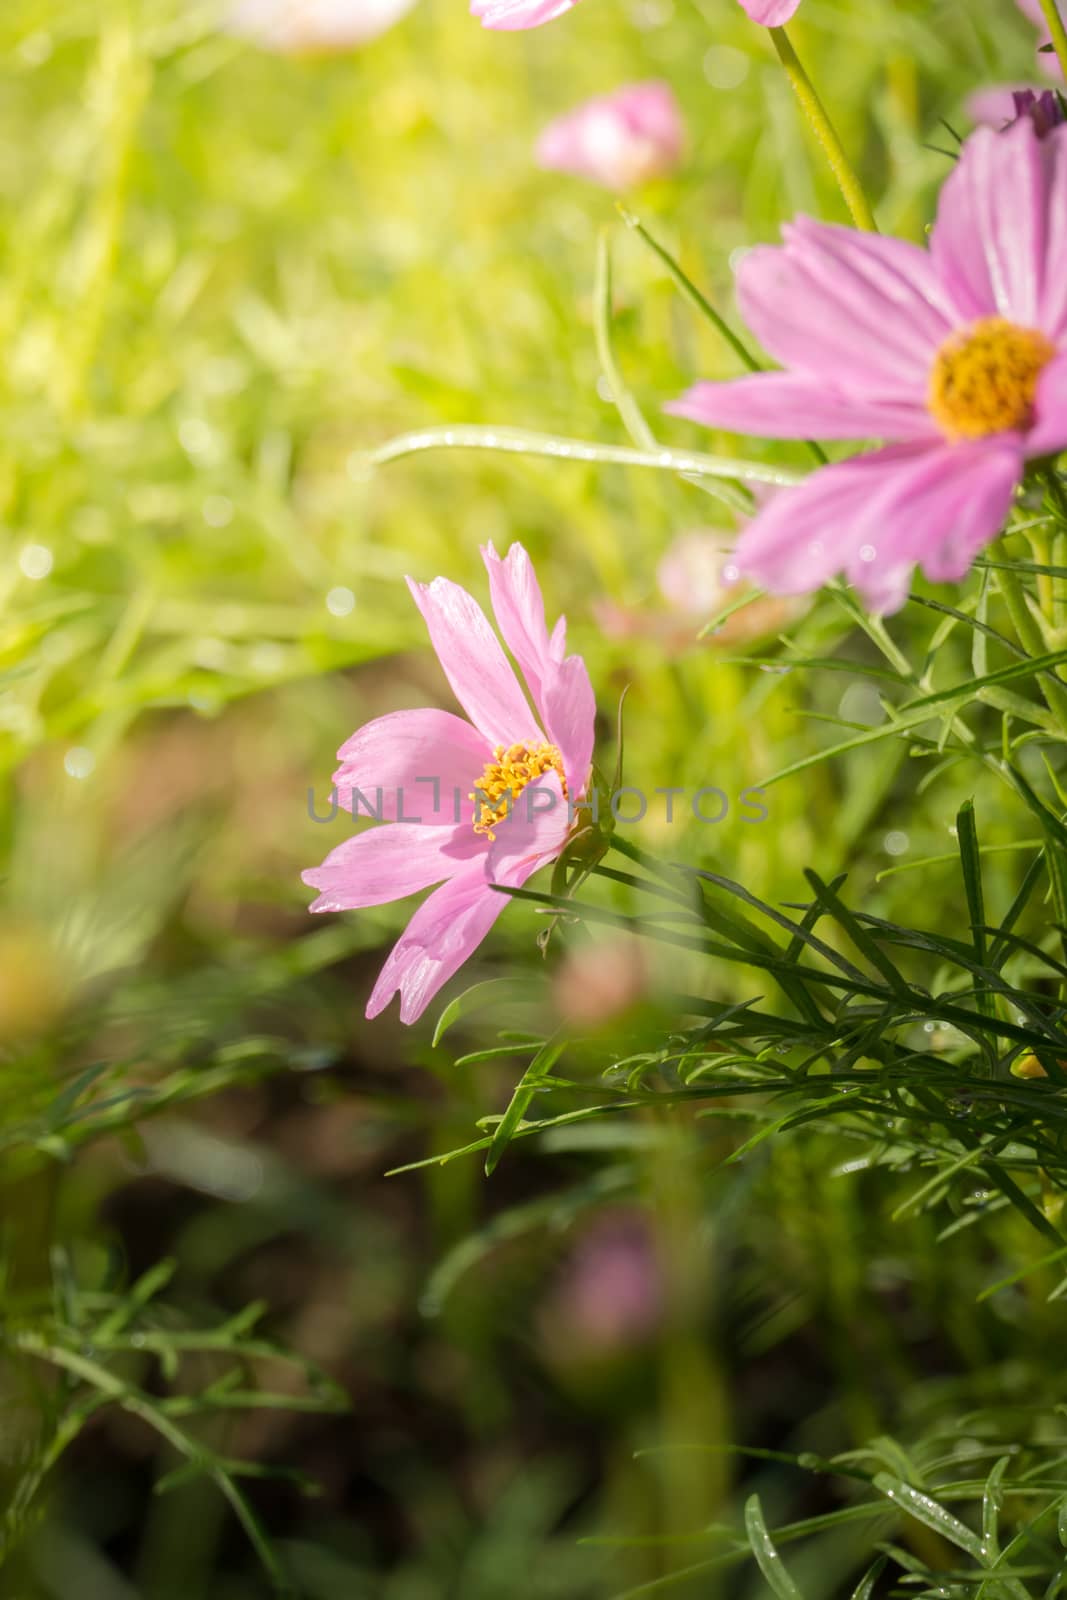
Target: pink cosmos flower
619 139
519 13
424 769
995 106
771 13
531 13
958 355
295 25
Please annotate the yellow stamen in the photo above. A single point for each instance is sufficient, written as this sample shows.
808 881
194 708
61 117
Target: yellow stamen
506 776
984 379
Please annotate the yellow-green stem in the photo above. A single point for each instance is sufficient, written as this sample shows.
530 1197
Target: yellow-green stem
1057 30
825 132
1041 546
1028 634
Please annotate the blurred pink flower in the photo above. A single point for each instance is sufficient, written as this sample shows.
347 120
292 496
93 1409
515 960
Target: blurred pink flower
957 354
696 578
610 1296
994 107
597 983
1032 9
771 13
519 13
690 575
619 139
1001 108
296 25
428 765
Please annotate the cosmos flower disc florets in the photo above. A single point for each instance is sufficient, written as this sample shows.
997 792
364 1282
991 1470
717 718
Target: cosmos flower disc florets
503 779
984 379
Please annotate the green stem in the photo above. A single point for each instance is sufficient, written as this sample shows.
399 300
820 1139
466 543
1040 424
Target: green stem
1029 636
691 292
705 307
825 132
1057 30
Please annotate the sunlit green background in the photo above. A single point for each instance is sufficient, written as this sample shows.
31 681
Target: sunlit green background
224 278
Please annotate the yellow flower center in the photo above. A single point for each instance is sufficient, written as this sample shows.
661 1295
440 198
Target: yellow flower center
506 776
984 379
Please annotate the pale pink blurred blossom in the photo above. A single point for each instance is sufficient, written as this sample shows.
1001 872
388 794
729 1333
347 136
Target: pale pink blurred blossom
618 140
771 13
696 578
294 26
519 13
597 983
1033 10
691 577
609 1298
1002 108
994 107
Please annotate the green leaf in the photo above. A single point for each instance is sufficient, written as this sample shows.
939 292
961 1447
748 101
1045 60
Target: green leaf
493 992
967 691
524 1091
836 908
929 1512
521 442
768 1560
629 411
991 1504
865 1588
691 292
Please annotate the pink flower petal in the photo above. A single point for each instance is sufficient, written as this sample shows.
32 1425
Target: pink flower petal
786 405
570 717
1048 436
1053 306
399 752
450 925
532 835
876 516
991 240
445 930
474 663
561 689
860 312
389 862
771 13
519 609
519 13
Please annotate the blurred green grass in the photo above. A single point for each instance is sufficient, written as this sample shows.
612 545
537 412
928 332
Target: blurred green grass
224 277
